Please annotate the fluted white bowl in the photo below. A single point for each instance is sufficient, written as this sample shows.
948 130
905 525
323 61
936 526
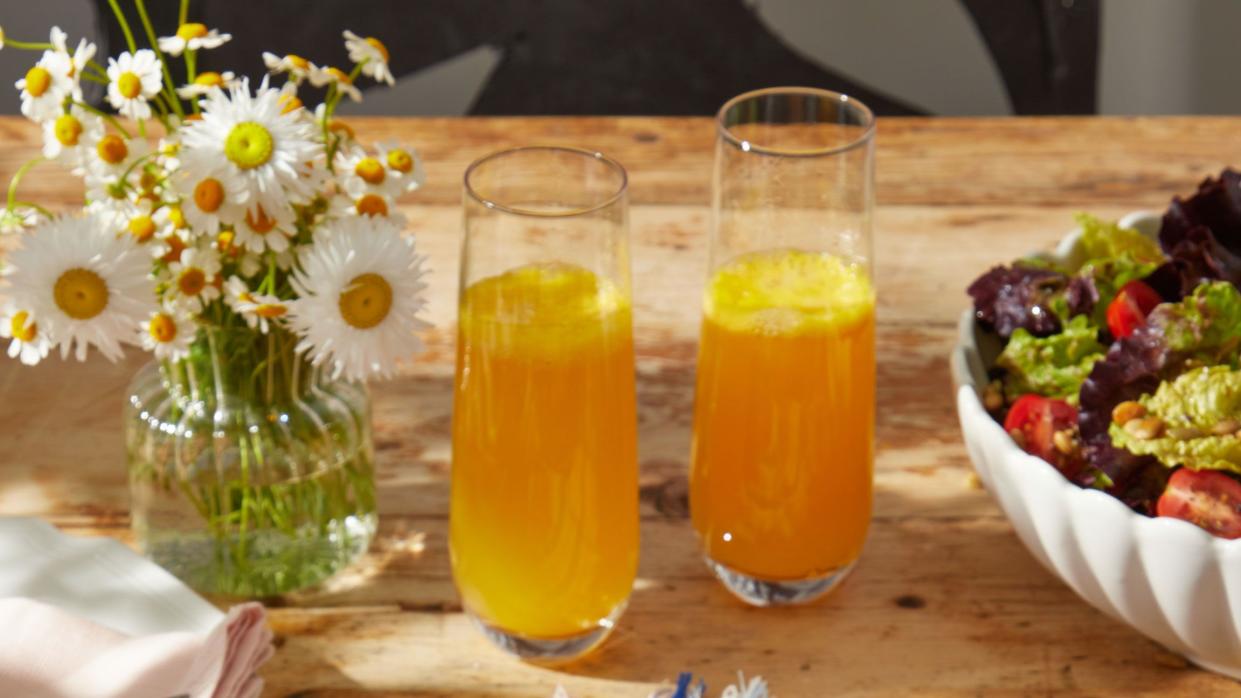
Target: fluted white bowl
1168 579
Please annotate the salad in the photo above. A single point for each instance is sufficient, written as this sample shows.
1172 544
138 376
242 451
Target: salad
1123 368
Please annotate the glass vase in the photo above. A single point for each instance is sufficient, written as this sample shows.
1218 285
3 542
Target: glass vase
251 471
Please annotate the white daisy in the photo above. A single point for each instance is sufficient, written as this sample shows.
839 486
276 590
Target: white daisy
339 127
258 310
362 173
206 82
45 87
359 293
28 343
133 79
192 36
168 249
66 137
319 77
85 285
146 226
18 219
372 54
76 60
167 333
253 149
295 66
258 231
206 203
366 206
194 278
403 164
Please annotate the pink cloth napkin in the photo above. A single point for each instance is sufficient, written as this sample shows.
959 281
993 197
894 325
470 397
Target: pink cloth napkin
49 653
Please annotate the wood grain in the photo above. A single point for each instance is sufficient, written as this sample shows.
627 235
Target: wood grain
946 602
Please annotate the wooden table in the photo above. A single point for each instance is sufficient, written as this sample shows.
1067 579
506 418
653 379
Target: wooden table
945 601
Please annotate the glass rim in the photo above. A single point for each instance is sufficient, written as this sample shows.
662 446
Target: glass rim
615 166
839 97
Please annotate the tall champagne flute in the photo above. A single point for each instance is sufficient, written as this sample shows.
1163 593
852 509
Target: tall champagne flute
544 520
782 463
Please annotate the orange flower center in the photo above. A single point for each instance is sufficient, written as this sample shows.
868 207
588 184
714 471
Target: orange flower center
297 61
372 205
270 310
21 331
370 171
112 149
175 247
208 195
142 228
378 46
192 281
163 328
261 224
209 78
67 129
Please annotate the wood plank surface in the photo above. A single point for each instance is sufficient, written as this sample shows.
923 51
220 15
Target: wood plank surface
945 602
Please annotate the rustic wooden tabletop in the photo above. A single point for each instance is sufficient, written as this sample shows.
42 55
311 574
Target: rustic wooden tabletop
945 600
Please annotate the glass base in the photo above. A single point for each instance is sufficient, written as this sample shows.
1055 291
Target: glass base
758 592
549 651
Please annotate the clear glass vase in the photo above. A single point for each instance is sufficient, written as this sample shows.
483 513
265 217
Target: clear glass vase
251 472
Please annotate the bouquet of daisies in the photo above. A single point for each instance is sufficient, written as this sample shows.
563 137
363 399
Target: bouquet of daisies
216 211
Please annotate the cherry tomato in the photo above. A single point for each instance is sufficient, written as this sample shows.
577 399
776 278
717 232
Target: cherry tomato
1038 418
1208 499
1128 310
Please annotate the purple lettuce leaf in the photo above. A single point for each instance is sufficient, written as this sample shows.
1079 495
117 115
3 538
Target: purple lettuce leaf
1202 237
1028 297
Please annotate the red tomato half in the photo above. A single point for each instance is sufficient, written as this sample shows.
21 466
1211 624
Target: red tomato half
1206 498
1128 310
1038 418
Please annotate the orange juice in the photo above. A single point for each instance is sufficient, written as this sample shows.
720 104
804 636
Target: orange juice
780 488
544 525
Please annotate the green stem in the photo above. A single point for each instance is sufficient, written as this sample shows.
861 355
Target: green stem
106 117
97 66
17 178
31 204
357 69
94 78
27 45
169 86
184 14
120 19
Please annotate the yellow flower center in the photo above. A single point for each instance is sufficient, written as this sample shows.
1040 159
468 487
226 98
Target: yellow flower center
142 228
262 223
208 195
20 330
339 76
290 101
297 61
248 145
400 160
147 181
270 310
80 293
112 149
343 129
129 85
67 129
224 241
372 205
162 328
378 46
366 302
37 81
191 30
176 217
175 247
192 281
209 78
370 171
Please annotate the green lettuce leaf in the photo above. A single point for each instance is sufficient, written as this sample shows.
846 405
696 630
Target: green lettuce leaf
1104 240
1191 408
1205 327
1053 366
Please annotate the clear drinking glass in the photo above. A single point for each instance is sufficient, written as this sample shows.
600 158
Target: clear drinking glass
782 464
544 521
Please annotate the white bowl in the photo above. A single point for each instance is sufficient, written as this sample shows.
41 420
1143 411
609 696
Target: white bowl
1170 580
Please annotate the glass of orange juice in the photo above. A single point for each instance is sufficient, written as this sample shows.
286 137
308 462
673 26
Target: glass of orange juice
784 410
544 515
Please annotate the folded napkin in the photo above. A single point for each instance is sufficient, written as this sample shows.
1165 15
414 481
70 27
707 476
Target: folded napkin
89 618
50 653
